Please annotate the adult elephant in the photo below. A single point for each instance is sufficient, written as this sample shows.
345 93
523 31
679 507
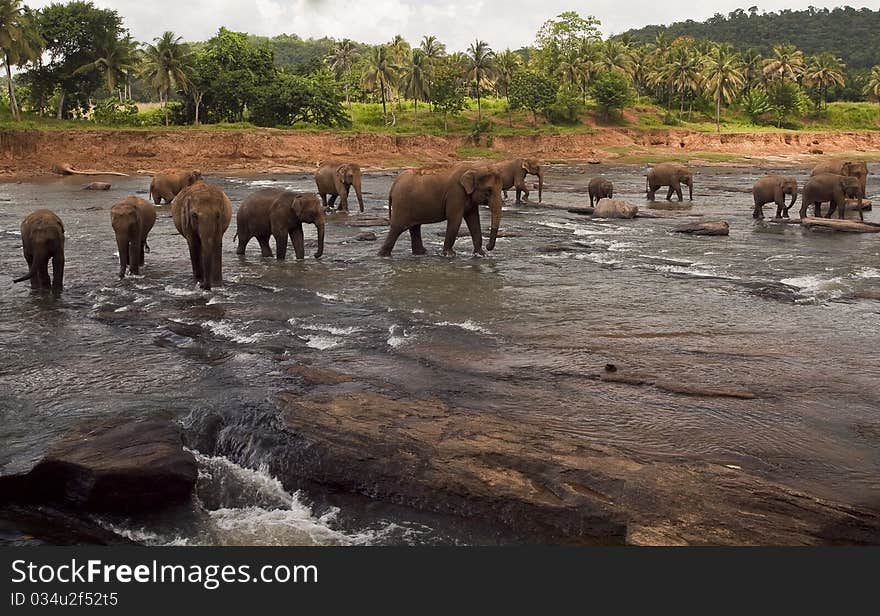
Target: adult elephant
132 219
831 188
425 196
42 238
202 214
168 183
672 175
277 212
772 189
335 178
513 175
850 168
600 188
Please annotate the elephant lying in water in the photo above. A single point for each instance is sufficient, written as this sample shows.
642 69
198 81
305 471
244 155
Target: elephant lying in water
425 196
832 188
279 213
202 214
772 189
336 179
132 220
672 175
42 238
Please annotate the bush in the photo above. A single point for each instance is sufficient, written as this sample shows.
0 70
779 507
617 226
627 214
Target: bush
112 112
567 109
480 128
292 98
756 104
532 91
156 117
612 92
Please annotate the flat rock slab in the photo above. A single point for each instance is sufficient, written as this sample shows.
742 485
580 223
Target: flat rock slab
366 236
708 227
836 224
669 205
463 232
614 208
119 465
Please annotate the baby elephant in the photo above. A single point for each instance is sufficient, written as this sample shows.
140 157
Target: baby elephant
336 179
132 219
834 189
42 238
772 189
600 188
279 213
168 183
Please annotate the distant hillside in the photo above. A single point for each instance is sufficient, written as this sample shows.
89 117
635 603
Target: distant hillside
851 34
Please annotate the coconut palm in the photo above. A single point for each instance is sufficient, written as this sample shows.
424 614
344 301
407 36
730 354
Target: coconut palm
117 59
20 43
872 88
380 73
722 77
416 78
507 63
615 56
165 65
481 67
823 71
753 67
682 72
432 48
341 61
787 63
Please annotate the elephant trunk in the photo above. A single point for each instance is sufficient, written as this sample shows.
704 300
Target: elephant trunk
540 184
495 208
793 200
319 225
691 189
31 273
207 257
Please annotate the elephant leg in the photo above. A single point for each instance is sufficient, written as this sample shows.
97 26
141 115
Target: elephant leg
58 271
217 263
281 245
505 194
296 236
360 197
243 239
817 209
678 192
652 191
473 223
265 248
415 237
30 261
324 200
343 199
453 224
522 189
333 199
122 247
390 239
45 281
758 212
195 257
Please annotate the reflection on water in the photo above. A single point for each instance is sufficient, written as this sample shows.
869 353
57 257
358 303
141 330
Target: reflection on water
770 309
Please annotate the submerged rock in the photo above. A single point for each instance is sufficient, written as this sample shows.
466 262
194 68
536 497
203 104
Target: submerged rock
708 227
98 186
366 236
615 208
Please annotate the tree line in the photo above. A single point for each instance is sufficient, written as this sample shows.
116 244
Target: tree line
78 60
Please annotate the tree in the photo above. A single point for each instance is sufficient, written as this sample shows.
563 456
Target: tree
532 91
341 61
615 56
682 72
117 60
612 92
753 67
872 88
481 66
723 77
432 48
381 72
507 63
447 91
290 99
167 64
787 62
785 98
20 43
416 78
565 35
823 71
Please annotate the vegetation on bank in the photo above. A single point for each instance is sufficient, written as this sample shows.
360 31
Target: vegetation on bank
78 67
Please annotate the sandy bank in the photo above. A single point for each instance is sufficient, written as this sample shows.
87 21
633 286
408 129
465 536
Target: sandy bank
33 152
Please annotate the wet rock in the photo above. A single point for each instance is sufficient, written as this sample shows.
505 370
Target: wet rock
554 248
708 227
614 208
366 236
98 186
33 525
117 465
594 161
314 375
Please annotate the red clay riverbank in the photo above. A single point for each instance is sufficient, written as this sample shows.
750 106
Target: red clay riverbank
33 152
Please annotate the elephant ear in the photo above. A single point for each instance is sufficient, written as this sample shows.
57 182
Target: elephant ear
340 171
469 181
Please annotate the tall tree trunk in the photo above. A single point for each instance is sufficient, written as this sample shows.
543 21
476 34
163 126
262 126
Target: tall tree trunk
60 113
384 110
165 107
13 104
718 114
479 106
197 101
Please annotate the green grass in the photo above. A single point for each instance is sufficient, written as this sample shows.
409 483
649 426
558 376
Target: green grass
476 152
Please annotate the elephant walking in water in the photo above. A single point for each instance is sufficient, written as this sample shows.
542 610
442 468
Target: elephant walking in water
513 175
853 169
425 196
202 214
336 179
832 188
600 188
132 220
277 212
772 189
42 238
672 175
168 183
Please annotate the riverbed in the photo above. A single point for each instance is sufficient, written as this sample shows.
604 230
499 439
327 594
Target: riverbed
786 315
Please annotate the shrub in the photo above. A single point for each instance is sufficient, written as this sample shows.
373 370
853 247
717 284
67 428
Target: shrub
612 92
567 109
112 112
532 91
293 98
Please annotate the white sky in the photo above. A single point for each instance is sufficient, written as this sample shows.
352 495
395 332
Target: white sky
502 23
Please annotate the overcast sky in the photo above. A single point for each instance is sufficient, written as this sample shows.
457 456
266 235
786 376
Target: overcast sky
503 23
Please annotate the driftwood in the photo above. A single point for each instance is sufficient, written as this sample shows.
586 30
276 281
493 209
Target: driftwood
836 224
669 205
66 169
708 227
583 211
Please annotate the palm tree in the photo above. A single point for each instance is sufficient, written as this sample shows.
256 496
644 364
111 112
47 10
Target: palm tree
481 66
432 48
723 77
872 88
823 71
117 59
615 56
753 67
20 43
682 73
381 73
166 65
787 63
416 79
341 61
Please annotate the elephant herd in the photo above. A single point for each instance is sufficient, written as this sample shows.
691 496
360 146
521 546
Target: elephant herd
202 212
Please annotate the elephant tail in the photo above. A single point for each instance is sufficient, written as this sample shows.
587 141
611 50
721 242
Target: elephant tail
31 273
389 205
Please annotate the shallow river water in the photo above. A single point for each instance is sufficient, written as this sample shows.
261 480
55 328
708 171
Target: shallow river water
770 309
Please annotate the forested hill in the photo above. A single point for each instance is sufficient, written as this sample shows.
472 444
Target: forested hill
851 34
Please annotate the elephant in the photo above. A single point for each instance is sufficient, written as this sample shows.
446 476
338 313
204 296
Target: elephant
600 188
425 196
336 179
202 213
832 188
132 219
258 212
772 189
42 238
854 169
513 174
672 175
166 184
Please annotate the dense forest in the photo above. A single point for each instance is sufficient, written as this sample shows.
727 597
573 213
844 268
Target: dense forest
76 61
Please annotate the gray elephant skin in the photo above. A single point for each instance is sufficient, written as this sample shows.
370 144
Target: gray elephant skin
672 175
202 214
773 189
42 239
513 175
833 189
168 183
132 220
336 179
600 188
